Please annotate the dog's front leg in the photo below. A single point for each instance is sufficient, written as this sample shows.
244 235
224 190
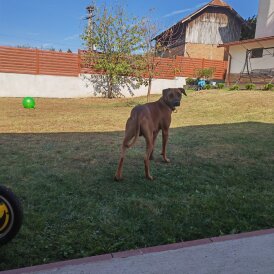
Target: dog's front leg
149 150
164 138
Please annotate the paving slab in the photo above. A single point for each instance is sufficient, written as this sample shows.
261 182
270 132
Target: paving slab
245 253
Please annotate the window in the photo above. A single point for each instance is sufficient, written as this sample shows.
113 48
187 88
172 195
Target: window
257 53
268 52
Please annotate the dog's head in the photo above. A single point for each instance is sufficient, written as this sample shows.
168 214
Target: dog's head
173 96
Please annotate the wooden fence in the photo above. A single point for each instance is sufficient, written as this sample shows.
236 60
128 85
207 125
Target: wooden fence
186 67
34 61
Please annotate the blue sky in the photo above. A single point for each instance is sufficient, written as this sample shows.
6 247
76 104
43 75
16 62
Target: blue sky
59 23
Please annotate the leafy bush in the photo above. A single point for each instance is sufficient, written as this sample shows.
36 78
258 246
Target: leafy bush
235 87
208 86
191 81
192 87
250 86
268 87
220 85
205 72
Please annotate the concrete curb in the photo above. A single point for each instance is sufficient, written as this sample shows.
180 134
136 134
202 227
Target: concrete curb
137 252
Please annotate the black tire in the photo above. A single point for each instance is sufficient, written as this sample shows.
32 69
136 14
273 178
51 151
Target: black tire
11 215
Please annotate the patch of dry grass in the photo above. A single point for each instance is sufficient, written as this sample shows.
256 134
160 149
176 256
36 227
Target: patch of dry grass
103 115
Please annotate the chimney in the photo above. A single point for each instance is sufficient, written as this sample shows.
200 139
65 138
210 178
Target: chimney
265 20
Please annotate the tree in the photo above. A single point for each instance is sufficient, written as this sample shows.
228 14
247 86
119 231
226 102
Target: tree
154 47
117 60
150 51
249 28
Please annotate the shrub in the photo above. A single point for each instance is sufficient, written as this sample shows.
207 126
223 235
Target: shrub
220 85
235 87
191 81
205 72
268 87
208 86
193 88
250 86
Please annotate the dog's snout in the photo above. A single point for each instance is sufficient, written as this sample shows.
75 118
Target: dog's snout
176 103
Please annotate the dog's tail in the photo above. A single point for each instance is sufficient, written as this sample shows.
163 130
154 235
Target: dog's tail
137 131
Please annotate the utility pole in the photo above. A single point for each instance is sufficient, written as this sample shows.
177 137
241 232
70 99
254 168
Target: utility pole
89 17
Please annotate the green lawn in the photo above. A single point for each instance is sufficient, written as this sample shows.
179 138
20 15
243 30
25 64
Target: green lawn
60 160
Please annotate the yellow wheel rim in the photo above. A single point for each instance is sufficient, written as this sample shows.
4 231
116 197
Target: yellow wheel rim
5 216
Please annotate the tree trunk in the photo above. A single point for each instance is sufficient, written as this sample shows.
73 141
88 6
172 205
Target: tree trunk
110 95
110 88
149 88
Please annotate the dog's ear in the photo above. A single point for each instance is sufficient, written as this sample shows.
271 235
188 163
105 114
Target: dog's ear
183 91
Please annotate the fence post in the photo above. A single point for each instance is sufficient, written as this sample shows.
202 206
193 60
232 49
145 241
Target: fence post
37 63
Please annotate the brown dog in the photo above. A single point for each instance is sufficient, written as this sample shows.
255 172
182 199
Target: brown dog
147 120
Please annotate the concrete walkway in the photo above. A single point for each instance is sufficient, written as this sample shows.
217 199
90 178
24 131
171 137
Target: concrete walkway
248 253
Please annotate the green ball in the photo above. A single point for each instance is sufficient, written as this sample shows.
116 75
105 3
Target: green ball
28 102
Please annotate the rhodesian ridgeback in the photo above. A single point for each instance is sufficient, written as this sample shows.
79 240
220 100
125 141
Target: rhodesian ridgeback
147 120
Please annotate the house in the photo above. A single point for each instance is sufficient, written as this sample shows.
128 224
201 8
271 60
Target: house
199 34
252 61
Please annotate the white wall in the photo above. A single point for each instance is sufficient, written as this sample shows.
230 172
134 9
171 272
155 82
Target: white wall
21 85
238 54
265 23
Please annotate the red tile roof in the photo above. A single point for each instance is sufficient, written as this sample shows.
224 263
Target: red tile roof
219 3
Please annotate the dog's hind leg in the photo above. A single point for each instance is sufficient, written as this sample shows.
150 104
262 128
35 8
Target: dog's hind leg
118 175
154 142
128 136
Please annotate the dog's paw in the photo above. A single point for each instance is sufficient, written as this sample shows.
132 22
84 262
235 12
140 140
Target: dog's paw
150 178
117 178
166 160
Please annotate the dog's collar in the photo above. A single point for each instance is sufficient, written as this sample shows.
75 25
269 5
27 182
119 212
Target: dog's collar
169 106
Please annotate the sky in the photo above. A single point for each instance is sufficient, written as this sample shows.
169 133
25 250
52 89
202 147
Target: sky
59 23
